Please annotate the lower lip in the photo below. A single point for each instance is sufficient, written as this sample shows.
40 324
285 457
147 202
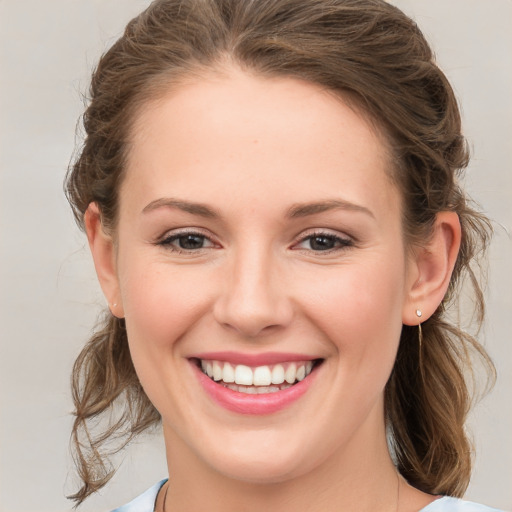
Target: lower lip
243 403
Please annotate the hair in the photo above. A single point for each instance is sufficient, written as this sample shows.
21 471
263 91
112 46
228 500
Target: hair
364 50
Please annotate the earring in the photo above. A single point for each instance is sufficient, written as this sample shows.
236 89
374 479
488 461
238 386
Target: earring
112 307
419 314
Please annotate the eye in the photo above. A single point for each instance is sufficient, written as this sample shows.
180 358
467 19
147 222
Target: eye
323 242
186 242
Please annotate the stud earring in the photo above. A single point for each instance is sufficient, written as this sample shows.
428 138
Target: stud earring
114 311
419 314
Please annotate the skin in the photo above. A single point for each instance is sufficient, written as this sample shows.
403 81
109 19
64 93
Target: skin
250 149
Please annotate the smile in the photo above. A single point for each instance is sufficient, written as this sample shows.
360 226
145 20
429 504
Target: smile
246 385
256 380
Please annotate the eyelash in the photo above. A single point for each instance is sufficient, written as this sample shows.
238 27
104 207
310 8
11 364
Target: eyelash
340 243
168 241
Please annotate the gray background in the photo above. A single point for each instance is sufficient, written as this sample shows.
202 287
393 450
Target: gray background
49 296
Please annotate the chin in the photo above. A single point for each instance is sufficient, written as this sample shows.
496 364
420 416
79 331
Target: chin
259 459
261 472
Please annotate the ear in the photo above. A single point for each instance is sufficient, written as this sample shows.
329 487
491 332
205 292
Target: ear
103 253
431 269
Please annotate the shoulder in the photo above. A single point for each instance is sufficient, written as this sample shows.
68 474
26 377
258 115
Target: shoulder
448 504
143 503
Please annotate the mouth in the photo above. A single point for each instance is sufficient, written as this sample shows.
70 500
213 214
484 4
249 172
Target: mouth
257 380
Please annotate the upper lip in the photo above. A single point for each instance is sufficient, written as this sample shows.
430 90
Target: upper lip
265 358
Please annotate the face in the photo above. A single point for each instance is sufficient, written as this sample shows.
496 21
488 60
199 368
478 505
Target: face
259 241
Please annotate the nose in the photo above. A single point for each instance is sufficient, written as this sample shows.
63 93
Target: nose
253 299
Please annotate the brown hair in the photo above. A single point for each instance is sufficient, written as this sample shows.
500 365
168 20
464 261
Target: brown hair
363 49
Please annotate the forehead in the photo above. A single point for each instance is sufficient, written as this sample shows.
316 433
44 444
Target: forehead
235 132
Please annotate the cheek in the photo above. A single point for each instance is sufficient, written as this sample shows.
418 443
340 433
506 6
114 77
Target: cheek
359 292
160 302
161 305
359 307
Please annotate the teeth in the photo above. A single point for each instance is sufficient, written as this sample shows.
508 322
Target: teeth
217 371
262 376
209 369
243 375
278 374
262 379
259 390
290 373
228 373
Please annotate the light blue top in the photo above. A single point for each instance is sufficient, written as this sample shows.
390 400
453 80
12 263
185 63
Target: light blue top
143 503
146 503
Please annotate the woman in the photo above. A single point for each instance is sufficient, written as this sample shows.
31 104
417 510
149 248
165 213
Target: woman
269 193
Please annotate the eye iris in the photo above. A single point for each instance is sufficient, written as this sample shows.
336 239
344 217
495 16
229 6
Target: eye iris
191 242
322 243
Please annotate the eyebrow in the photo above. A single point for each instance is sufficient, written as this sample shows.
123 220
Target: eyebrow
186 206
306 209
295 211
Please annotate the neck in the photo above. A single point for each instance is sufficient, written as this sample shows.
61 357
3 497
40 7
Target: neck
360 478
